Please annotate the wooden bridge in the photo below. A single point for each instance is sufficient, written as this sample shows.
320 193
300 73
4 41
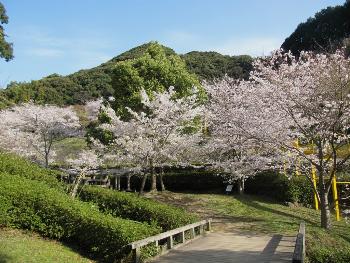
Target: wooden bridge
196 243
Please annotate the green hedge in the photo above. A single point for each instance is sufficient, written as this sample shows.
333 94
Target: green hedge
131 206
12 164
278 187
183 180
35 206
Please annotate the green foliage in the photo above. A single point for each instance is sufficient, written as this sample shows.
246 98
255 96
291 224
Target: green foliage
323 32
184 180
153 71
52 213
12 164
6 50
4 102
151 65
280 188
213 65
94 131
129 205
137 52
77 88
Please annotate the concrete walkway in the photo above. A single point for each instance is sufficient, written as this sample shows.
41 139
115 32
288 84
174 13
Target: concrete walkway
223 247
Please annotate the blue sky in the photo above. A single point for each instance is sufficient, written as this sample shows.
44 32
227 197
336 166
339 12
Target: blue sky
63 36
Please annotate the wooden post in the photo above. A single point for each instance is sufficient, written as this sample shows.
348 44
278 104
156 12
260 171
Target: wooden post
170 242
209 225
192 233
201 229
157 245
137 254
115 183
299 249
118 182
182 237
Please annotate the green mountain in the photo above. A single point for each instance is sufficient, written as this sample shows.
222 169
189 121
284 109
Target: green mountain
211 65
326 31
105 79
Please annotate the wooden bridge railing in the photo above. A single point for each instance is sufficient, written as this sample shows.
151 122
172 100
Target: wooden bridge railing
204 225
299 249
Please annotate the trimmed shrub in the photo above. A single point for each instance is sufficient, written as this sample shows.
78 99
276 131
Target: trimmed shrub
184 180
12 164
278 187
131 206
35 206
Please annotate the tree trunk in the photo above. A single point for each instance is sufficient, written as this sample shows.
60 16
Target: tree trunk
161 180
241 185
118 182
325 211
153 180
128 184
76 184
46 160
115 183
323 189
143 184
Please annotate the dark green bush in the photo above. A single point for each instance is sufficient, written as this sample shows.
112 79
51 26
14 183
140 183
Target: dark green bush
12 164
129 205
300 191
35 206
184 180
270 184
280 188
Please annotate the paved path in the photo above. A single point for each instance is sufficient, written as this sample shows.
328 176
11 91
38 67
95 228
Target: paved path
223 247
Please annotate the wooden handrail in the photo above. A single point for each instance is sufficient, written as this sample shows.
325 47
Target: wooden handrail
136 246
299 249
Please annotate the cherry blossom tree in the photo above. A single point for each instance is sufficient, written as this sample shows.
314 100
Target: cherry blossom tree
289 99
157 136
92 109
85 161
236 158
30 130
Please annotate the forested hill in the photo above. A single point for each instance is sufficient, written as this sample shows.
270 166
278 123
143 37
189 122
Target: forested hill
102 80
326 31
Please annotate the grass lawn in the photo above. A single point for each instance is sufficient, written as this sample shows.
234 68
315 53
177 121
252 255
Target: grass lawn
68 148
20 246
259 215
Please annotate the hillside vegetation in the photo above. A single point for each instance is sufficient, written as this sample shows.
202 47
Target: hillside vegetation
326 31
106 79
